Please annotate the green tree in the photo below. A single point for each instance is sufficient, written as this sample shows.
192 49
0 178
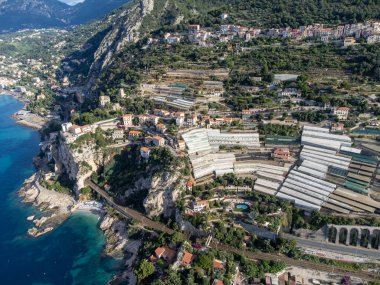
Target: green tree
204 262
144 270
176 237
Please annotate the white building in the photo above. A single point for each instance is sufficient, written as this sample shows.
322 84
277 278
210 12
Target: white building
179 121
199 206
373 39
224 16
66 127
128 120
104 100
290 92
86 129
118 134
341 112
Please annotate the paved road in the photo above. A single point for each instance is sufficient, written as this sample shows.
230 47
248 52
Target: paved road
128 212
342 249
293 262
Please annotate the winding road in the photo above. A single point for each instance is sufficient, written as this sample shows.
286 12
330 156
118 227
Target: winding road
147 222
128 212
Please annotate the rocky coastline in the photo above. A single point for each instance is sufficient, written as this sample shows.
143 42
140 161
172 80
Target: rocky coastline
56 207
23 117
120 246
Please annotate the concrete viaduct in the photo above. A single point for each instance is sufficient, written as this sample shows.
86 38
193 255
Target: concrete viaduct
354 235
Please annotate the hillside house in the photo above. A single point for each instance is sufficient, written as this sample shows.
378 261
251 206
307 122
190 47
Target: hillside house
201 205
134 135
341 113
281 153
118 134
144 152
337 127
187 259
160 128
104 100
128 120
158 141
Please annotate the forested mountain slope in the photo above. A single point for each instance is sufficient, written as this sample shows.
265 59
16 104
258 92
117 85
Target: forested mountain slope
21 14
140 18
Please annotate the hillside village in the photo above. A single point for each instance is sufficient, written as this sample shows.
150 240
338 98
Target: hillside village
275 162
348 34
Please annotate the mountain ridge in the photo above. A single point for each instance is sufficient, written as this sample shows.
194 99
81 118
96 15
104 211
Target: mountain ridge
23 14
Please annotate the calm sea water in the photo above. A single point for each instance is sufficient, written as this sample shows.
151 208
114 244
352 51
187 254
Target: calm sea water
72 253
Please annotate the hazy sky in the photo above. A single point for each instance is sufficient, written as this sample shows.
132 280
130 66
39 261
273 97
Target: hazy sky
71 2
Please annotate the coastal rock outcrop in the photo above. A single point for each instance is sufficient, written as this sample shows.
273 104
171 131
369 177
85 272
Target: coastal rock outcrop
163 193
116 233
45 199
162 188
120 245
57 206
78 163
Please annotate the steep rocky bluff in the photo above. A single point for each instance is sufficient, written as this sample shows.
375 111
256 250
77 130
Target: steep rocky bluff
79 163
163 190
129 24
125 29
158 187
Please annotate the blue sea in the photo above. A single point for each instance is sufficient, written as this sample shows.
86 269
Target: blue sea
72 253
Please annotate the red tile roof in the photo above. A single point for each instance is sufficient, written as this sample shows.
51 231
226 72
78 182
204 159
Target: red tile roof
187 258
159 251
217 264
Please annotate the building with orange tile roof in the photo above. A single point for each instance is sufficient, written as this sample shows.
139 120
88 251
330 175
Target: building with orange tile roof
134 135
128 120
118 134
144 152
200 205
217 264
341 113
160 128
75 129
189 185
166 253
337 127
158 141
187 258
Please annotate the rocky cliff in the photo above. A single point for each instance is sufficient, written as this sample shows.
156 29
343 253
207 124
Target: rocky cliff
120 245
159 190
125 29
115 231
163 193
79 163
136 20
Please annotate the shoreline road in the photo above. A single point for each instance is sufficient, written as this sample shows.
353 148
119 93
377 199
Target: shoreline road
128 212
